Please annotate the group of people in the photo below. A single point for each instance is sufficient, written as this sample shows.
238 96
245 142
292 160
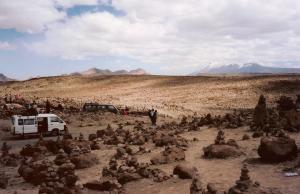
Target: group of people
32 108
152 113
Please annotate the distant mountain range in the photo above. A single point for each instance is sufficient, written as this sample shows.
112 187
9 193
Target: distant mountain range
248 68
3 78
96 71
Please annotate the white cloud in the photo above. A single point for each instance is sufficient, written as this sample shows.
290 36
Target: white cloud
6 46
33 16
176 32
28 16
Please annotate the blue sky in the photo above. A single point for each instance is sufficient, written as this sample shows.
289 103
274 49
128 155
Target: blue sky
53 37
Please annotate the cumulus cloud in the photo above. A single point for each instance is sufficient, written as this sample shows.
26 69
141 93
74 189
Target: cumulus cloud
176 32
28 16
33 16
6 46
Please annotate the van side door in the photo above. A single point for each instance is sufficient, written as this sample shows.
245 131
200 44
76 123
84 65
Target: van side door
29 125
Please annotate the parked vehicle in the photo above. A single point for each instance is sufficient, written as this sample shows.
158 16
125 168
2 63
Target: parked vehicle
42 123
93 107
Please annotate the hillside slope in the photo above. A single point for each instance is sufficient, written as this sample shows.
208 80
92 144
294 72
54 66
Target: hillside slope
172 95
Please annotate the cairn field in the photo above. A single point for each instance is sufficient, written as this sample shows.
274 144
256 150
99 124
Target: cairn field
174 97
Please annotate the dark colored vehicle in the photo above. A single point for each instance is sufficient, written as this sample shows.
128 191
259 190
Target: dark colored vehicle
93 107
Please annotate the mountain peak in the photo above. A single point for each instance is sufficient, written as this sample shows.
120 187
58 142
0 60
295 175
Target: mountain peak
251 65
95 71
4 78
247 68
138 71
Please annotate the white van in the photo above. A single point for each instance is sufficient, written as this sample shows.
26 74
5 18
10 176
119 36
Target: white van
45 123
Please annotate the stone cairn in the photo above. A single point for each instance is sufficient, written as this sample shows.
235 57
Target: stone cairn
67 135
5 149
81 137
260 116
197 187
221 148
53 177
6 158
220 139
61 157
298 102
245 184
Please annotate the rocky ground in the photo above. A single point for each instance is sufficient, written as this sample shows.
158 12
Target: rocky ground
199 154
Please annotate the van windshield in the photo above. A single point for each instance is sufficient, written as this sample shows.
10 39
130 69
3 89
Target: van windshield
56 120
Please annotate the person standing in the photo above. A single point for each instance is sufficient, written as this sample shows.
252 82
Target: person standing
48 106
153 116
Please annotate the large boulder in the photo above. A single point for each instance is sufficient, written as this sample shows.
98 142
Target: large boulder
184 171
277 149
221 151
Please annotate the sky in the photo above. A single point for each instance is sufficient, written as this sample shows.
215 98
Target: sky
176 37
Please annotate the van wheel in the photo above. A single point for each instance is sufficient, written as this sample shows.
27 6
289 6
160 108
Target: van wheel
55 132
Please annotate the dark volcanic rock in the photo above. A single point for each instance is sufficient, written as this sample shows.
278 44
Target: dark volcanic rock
277 149
3 181
258 134
167 140
245 137
197 186
245 185
260 113
221 151
69 145
30 150
84 160
105 184
92 137
124 178
185 172
170 154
